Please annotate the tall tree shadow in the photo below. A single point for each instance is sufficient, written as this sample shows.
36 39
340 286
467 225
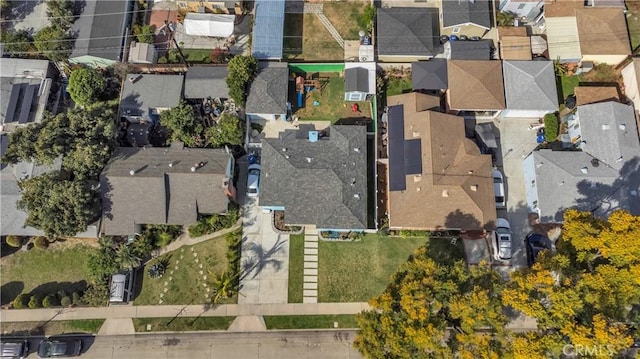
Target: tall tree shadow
261 258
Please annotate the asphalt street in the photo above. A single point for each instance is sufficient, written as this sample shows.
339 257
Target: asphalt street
264 345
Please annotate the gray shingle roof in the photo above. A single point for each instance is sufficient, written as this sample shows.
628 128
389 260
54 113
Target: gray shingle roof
101 28
356 79
159 193
269 90
461 12
407 31
322 183
530 85
206 81
150 91
430 75
471 50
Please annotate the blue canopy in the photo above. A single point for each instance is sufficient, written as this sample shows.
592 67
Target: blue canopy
268 29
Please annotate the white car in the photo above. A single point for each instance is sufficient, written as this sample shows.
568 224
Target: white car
498 188
253 181
502 240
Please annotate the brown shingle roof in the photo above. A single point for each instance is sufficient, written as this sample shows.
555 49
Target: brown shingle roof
455 189
515 48
593 94
511 31
603 31
475 85
561 8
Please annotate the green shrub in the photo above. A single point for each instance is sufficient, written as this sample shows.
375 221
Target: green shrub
96 295
34 302
61 294
76 298
50 301
198 229
41 243
365 20
21 301
15 241
551 127
65 301
413 233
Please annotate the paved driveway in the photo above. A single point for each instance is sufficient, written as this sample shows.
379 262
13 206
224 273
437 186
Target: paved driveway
265 253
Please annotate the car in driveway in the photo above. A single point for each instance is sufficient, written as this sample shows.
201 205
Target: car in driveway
498 188
13 348
502 241
253 181
535 243
60 348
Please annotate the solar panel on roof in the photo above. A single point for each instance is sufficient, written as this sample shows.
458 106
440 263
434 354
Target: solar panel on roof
27 101
13 102
397 179
413 157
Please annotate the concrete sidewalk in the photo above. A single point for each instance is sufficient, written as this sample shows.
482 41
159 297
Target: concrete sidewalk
158 311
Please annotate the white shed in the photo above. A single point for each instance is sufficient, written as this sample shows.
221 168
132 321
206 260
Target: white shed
359 80
212 25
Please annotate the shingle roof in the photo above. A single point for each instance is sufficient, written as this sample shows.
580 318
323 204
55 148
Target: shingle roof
593 94
101 29
322 183
454 175
471 50
530 85
603 31
407 31
429 75
151 91
475 85
562 8
461 12
269 90
163 189
356 79
206 81
515 48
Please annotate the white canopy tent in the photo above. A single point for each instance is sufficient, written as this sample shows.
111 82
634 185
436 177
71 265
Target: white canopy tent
212 25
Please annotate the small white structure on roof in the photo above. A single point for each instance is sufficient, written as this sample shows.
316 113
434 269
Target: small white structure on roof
212 25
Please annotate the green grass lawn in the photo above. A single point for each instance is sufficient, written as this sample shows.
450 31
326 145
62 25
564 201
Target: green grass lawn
358 271
53 327
296 267
197 55
633 22
186 283
44 271
306 39
182 324
569 84
310 321
399 86
344 15
332 105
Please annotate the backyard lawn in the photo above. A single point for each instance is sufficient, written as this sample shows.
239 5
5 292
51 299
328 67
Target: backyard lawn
42 272
186 275
358 271
568 84
331 103
344 15
310 321
53 327
296 267
397 86
182 324
306 39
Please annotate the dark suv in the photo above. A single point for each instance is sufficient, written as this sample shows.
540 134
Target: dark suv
535 243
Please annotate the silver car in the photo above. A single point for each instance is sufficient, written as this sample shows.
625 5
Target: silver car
502 240
498 188
253 181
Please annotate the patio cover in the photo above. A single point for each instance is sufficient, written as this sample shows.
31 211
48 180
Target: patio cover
212 25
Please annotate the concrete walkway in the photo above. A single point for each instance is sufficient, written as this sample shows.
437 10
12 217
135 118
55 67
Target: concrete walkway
310 279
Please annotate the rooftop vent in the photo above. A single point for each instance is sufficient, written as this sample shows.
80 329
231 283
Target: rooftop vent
539 164
356 196
445 193
418 189
584 170
417 178
622 127
313 136
474 188
134 78
605 126
353 182
619 159
284 149
308 159
193 169
356 149
287 156
595 162
132 172
416 134
562 183
470 172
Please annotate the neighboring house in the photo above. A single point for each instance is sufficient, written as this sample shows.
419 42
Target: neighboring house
437 179
25 90
525 10
268 29
466 17
586 95
515 44
430 75
317 178
268 93
212 6
475 87
529 88
602 177
631 78
407 34
142 53
101 32
143 98
161 185
206 81
359 81
472 50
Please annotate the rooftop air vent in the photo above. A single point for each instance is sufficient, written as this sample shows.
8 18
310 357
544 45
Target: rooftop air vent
308 159
595 162
356 149
193 169
619 159
445 193
134 78
132 172
605 126
584 170
474 188
356 196
622 127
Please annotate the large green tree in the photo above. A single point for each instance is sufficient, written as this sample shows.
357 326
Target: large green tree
425 297
18 43
183 125
242 69
588 292
86 86
57 206
54 43
227 131
60 13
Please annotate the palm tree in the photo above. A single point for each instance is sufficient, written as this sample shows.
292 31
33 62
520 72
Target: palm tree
559 68
225 285
126 257
505 18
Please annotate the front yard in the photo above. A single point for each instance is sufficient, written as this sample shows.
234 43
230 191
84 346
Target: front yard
186 279
181 324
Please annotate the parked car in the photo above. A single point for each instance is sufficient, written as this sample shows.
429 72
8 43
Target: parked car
253 180
502 240
536 243
498 188
60 348
13 348
121 288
